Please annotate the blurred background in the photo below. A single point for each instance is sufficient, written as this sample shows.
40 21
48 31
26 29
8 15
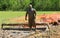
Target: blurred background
21 5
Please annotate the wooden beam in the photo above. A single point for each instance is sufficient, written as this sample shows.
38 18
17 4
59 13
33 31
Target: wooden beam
22 24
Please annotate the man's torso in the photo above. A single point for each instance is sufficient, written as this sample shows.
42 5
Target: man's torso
31 14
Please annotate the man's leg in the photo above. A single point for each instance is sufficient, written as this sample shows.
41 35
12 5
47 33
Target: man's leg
30 24
34 27
34 24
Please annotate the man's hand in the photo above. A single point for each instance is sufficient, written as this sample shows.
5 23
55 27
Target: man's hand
25 18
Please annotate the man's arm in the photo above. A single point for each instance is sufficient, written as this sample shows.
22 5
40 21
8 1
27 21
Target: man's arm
35 13
26 15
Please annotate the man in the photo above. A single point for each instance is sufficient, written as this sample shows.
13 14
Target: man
31 13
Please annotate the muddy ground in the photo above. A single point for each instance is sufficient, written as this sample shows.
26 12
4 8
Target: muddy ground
54 32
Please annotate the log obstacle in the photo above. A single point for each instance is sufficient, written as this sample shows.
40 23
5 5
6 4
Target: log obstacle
23 24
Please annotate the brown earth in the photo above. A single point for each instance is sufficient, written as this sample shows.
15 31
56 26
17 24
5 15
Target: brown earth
39 18
54 30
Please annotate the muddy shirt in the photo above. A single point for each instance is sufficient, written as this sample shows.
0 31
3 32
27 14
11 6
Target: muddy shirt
31 17
31 13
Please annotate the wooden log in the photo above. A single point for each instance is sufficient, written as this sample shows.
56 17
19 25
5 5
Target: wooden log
22 24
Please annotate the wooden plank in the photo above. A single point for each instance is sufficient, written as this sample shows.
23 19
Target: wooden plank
22 24
25 29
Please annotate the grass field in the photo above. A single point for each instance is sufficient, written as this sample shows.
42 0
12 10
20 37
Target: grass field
4 15
12 15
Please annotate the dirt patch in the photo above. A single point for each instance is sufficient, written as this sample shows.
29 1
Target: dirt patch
43 17
55 31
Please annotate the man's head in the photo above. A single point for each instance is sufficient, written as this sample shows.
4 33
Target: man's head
30 6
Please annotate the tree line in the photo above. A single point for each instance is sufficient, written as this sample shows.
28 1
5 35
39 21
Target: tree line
21 5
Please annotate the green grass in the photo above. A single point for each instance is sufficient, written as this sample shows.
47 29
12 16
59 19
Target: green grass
4 15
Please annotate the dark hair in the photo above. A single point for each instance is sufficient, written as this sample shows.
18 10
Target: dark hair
31 3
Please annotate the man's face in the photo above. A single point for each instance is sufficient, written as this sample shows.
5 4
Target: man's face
30 6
